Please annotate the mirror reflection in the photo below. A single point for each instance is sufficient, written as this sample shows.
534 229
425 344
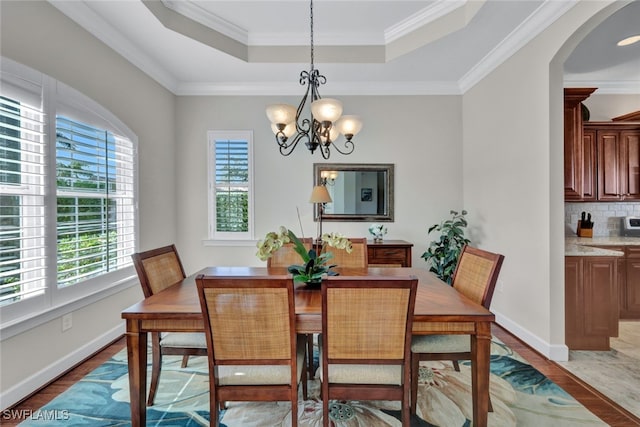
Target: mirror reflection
359 192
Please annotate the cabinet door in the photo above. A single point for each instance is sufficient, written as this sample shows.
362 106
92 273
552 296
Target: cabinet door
608 146
632 291
601 301
589 169
630 167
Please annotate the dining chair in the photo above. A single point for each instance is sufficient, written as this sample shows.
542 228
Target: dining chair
366 338
254 351
158 269
475 277
358 258
284 257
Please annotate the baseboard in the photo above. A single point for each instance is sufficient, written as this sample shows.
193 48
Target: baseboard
555 352
38 380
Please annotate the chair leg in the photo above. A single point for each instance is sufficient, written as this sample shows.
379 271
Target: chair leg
415 366
456 365
310 355
156 367
305 394
185 360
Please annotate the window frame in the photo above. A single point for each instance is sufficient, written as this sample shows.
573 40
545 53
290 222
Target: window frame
229 237
55 97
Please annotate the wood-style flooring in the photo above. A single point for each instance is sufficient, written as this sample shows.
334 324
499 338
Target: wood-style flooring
596 402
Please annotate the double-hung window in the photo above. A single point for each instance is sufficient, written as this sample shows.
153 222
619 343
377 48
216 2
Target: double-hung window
67 195
230 185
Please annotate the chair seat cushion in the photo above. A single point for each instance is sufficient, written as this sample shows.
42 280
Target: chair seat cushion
261 374
362 374
440 344
183 340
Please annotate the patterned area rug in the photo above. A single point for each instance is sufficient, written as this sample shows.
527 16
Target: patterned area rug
521 396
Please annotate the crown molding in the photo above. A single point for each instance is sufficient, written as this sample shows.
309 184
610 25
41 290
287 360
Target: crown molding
336 88
537 22
83 15
620 87
421 18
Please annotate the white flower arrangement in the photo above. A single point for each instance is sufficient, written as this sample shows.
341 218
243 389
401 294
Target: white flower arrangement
377 231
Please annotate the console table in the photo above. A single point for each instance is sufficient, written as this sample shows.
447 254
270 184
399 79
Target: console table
389 253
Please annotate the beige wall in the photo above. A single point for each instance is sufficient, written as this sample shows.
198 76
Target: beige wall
421 135
513 179
605 107
37 35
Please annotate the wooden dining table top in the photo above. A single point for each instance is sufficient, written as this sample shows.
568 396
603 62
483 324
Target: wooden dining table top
435 300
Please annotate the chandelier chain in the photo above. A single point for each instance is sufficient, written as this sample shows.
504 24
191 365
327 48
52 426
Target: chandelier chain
311 32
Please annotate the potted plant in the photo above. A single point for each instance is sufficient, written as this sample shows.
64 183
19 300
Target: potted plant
443 253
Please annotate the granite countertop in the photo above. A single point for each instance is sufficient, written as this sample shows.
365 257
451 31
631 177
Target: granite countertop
582 246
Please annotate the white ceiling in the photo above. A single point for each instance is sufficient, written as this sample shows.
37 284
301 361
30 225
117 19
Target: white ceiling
240 47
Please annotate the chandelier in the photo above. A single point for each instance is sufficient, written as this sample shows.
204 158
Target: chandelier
325 124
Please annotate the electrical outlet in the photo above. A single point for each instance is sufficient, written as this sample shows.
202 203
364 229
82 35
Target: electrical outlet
67 322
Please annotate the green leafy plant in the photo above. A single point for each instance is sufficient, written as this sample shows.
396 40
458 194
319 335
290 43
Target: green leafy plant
315 265
443 253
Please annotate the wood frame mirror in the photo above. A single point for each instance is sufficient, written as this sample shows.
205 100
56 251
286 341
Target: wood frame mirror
359 192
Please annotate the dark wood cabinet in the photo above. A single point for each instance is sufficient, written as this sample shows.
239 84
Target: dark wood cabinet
589 182
389 253
631 292
573 142
591 302
618 161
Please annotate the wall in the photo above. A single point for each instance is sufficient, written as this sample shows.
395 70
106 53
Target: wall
426 155
36 34
513 180
605 107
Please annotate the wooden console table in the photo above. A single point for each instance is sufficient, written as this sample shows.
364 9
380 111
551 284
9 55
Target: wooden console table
390 253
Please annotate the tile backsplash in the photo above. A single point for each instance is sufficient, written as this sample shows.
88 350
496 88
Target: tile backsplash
606 217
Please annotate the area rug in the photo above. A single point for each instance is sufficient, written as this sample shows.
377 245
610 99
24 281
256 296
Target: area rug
521 396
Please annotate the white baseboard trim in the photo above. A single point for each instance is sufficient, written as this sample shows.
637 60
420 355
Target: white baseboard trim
555 352
29 385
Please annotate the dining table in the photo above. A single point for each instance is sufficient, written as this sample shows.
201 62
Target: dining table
439 309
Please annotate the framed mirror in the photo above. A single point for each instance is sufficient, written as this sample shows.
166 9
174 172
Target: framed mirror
359 192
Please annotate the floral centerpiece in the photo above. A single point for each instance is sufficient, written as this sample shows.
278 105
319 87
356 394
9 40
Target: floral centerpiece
377 231
315 263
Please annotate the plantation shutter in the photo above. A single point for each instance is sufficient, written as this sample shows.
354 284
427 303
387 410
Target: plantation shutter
22 189
232 185
95 201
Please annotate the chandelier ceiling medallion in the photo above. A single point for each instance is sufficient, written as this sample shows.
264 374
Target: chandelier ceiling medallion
326 122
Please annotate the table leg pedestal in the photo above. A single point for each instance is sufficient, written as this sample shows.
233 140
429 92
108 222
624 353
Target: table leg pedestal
137 364
481 348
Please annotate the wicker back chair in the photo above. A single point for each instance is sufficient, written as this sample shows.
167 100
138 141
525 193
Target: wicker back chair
366 337
158 269
254 351
286 255
475 277
358 258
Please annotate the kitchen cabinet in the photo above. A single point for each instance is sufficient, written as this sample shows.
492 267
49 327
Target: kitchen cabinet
628 280
591 302
618 161
573 142
589 180
631 293
389 253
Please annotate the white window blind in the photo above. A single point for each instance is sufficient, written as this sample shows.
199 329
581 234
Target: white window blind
22 232
95 201
230 181
68 222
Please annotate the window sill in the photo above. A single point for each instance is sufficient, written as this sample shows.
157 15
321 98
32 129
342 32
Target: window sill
18 326
229 243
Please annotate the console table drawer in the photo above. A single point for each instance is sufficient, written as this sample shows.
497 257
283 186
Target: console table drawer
389 253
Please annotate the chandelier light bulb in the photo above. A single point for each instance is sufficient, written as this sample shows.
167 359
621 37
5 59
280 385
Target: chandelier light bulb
288 130
349 126
326 109
281 113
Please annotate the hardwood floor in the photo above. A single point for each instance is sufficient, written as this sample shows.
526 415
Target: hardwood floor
596 402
